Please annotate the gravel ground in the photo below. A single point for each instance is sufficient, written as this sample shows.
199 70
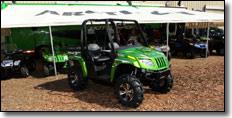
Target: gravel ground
198 86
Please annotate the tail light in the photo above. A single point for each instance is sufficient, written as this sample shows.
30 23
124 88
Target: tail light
29 51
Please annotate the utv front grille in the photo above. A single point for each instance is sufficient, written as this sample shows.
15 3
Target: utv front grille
160 62
59 59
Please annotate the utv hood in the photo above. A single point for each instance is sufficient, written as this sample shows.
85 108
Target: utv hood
142 52
136 55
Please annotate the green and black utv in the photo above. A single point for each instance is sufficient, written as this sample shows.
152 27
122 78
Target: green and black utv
61 58
123 59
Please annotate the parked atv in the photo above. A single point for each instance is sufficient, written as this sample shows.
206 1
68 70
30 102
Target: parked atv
188 47
17 62
61 58
217 41
127 67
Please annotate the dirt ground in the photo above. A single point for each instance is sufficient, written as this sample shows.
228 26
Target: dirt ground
198 86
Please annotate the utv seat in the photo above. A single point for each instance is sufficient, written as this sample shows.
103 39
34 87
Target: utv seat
95 53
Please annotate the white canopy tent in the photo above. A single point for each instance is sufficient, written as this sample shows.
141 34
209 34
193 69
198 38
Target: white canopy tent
15 16
55 15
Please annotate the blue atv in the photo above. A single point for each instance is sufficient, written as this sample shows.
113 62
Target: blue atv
188 47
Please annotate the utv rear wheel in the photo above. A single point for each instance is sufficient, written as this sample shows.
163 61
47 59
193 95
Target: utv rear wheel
76 79
46 70
163 85
221 51
129 91
202 53
24 71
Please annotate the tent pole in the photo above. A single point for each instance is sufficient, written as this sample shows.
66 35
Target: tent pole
167 38
53 54
207 47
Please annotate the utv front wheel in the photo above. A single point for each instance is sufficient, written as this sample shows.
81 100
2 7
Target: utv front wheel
190 54
46 70
76 79
24 71
163 85
129 91
3 74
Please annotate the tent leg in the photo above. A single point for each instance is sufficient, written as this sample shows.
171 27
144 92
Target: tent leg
167 38
53 54
207 47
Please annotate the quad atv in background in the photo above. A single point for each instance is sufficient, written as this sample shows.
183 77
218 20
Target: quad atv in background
127 63
217 41
17 62
188 47
61 58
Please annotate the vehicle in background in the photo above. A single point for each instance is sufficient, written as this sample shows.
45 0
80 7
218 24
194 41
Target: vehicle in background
189 47
61 58
217 41
17 62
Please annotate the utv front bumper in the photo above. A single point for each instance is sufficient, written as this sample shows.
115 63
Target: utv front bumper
156 75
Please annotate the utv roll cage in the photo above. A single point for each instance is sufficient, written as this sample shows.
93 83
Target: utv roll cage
114 26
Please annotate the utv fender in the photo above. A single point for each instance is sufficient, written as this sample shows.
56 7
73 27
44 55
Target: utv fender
120 69
80 62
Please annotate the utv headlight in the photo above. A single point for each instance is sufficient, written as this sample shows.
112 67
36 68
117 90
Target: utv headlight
147 62
16 63
197 45
66 58
50 59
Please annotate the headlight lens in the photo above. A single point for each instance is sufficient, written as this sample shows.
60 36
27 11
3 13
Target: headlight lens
66 58
147 62
196 45
16 63
49 59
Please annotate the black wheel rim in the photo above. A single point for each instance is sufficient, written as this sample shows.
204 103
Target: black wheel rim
126 92
161 82
74 79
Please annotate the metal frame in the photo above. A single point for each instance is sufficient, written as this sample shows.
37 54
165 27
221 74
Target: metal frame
207 47
53 53
167 38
